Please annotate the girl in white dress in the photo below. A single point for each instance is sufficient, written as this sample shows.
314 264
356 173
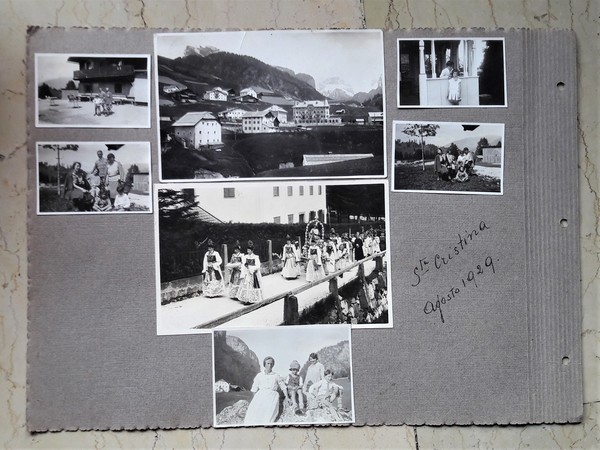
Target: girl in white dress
454 88
314 266
212 284
251 286
291 258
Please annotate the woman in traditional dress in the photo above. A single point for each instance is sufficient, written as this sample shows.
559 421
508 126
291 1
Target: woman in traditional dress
376 244
314 266
251 286
367 250
235 271
344 250
212 284
330 256
291 257
264 406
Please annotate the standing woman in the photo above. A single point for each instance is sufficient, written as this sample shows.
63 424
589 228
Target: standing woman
376 244
290 260
115 175
212 284
314 265
264 406
75 186
330 256
235 270
251 286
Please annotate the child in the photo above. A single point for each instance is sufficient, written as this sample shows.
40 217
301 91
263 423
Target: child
326 392
102 203
122 202
454 88
294 386
97 106
461 175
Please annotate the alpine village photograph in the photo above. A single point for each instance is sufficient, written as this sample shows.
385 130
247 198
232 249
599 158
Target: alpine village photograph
270 104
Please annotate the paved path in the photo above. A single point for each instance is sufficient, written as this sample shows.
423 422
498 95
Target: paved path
180 317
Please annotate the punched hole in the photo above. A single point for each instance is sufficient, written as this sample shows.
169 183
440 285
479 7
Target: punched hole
566 361
564 223
560 85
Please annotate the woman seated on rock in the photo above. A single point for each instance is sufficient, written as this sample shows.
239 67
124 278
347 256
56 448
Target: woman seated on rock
264 407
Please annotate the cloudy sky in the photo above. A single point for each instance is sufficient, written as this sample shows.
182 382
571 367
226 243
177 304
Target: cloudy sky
130 153
286 344
355 56
453 132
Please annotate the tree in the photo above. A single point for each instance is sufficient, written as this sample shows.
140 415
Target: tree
71 86
58 148
453 150
177 207
44 91
129 177
421 131
483 142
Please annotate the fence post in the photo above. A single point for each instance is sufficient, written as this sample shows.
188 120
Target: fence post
333 290
378 263
290 310
270 250
225 255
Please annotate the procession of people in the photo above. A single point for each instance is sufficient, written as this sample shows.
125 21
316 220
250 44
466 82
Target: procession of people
321 256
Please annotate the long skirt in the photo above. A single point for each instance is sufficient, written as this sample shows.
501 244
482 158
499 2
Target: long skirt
290 269
212 285
235 280
314 271
250 290
263 408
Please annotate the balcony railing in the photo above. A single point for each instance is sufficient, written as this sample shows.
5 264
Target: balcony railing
104 72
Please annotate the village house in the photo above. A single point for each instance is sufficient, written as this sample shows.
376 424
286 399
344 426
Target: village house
197 129
126 78
492 155
278 112
283 202
232 114
376 118
256 92
216 94
260 122
311 112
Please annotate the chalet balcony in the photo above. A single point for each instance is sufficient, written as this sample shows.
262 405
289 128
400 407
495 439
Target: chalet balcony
105 72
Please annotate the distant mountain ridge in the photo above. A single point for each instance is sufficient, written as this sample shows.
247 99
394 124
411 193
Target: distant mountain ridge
233 71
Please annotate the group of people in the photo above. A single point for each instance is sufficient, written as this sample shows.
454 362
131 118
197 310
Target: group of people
244 281
454 82
448 168
318 388
103 103
102 189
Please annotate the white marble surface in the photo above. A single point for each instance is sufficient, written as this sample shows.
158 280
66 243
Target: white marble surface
16 15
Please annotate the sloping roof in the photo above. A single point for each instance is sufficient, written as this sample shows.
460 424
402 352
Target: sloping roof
257 113
306 103
192 118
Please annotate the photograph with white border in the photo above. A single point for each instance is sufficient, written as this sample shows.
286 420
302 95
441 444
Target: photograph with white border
270 104
297 375
468 72
94 178
249 254
448 157
92 90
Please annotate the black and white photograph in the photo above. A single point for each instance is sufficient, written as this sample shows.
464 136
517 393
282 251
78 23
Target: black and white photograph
451 73
94 177
448 157
270 104
283 376
250 254
92 90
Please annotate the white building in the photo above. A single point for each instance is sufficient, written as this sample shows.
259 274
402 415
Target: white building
280 202
196 129
217 94
233 114
280 113
249 91
260 122
311 112
376 117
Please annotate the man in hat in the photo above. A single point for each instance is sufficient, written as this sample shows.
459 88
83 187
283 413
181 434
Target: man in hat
294 385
